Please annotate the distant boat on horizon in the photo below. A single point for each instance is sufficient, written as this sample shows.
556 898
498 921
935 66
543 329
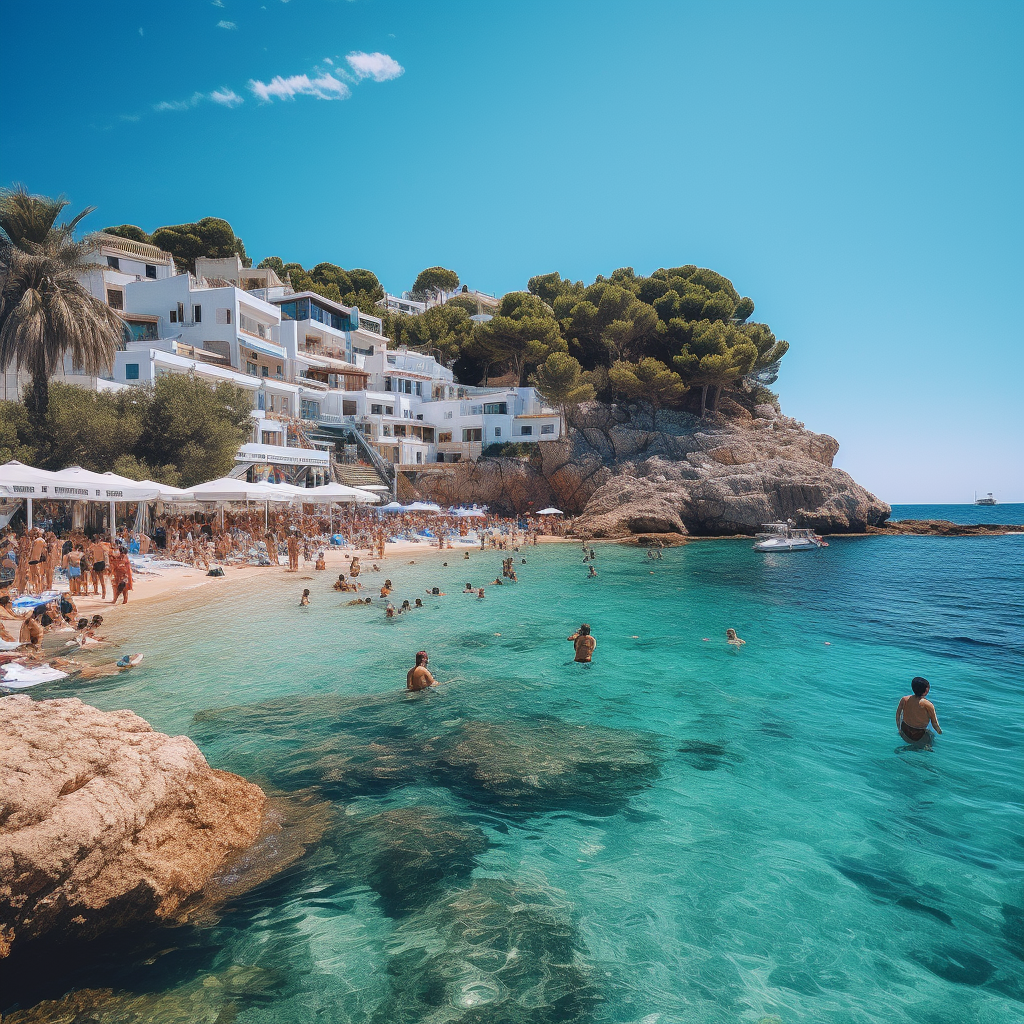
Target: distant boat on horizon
987 500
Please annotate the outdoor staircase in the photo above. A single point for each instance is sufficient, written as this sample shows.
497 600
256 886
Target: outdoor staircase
356 475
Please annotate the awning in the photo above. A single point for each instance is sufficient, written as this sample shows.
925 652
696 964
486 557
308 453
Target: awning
338 492
281 455
229 488
268 348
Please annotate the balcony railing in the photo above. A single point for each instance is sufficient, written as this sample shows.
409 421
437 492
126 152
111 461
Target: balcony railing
254 327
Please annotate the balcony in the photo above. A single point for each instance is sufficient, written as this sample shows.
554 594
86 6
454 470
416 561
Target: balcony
254 327
468 451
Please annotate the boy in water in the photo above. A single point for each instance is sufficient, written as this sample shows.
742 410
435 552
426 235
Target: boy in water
913 713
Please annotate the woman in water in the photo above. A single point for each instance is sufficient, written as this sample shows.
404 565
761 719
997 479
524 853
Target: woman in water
304 600
732 638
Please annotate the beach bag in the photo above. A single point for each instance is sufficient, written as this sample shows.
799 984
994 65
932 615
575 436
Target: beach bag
216 571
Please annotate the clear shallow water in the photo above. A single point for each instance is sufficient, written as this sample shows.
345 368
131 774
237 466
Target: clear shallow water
1009 514
678 833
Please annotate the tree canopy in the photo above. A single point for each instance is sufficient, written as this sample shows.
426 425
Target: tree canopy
179 431
434 281
350 287
210 237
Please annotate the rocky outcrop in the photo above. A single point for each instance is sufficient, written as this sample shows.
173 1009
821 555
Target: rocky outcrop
943 528
715 477
105 823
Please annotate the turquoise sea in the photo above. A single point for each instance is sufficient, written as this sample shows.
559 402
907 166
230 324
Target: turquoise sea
680 833
1008 514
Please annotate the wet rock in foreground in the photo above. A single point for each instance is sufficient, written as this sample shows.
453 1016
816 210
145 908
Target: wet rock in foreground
547 764
408 854
107 823
494 953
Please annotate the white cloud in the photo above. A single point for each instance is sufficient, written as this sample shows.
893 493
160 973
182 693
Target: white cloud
327 60
226 97
217 3
378 66
323 87
141 33
226 24
193 100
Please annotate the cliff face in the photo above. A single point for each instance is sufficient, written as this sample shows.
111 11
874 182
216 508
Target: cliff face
720 477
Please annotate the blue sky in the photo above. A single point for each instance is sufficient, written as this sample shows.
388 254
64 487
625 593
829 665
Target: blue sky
855 168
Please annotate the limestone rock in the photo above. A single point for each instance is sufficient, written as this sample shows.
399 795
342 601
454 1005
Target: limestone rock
105 822
723 475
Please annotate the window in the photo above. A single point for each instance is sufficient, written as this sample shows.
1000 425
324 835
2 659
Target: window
150 270
496 409
284 404
265 370
444 437
142 331
310 410
287 310
526 431
223 316
174 316
389 409
115 298
497 431
419 387
113 262
407 414
197 314
448 415
377 410
475 410
348 407
131 371
251 369
419 456
279 370
547 428
472 434
387 383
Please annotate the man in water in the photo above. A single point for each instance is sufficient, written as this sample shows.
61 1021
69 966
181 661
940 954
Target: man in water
583 643
304 600
418 677
913 713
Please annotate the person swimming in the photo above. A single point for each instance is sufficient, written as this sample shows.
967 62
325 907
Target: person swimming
304 600
732 638
593 572
419 602
913 713
419 677
583 644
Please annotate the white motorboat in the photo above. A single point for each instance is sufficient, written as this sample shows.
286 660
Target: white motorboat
783 537
987 500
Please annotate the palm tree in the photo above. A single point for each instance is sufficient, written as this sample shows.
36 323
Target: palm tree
45 312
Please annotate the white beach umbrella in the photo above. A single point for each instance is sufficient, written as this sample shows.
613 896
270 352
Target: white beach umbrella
392 506
550 512
374 487
339 492
167 493
423 506
84 485
20 481
469 513
228 488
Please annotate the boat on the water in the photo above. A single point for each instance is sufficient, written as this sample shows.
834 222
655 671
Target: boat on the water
783 537
987 500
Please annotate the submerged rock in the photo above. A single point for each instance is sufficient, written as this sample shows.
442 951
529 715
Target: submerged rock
373 745
496 952
211 999
547 764
105 823
408 855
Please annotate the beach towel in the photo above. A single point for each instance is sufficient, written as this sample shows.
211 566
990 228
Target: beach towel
20 677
